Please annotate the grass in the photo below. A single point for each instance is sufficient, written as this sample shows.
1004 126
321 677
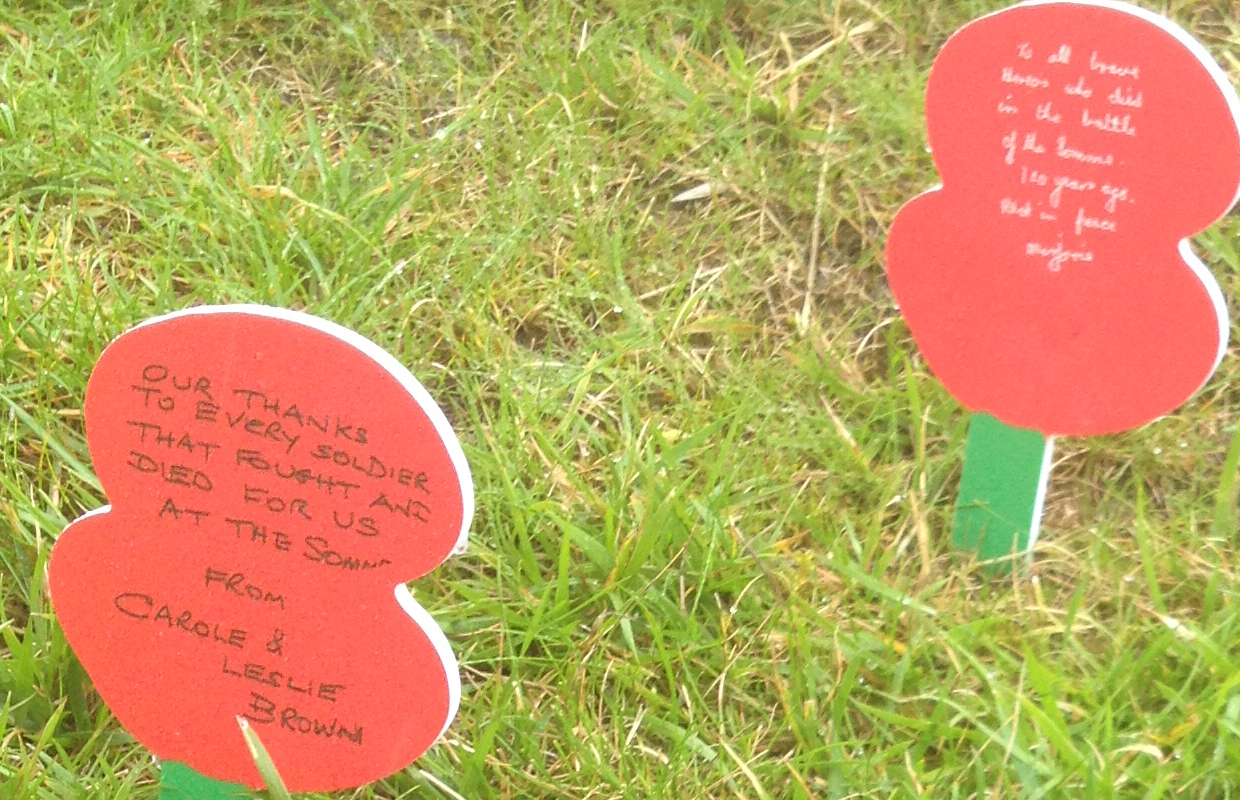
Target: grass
714 477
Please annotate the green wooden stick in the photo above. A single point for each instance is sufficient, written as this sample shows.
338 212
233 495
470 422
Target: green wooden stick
1002 490
179 782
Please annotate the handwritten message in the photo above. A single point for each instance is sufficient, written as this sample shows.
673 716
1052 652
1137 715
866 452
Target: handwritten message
271 486
298 467
1069 111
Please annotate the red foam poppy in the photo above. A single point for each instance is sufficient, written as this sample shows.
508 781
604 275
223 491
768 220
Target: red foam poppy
273 481
1048 281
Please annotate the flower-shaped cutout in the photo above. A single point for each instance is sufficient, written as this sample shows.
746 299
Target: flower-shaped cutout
1048 281
273 481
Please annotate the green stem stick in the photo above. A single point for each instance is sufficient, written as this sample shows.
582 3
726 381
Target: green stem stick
179 782
1002 489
